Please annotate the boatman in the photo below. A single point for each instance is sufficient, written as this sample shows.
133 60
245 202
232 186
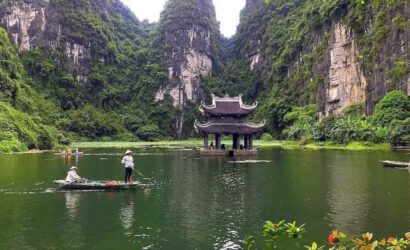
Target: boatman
72 175
128 162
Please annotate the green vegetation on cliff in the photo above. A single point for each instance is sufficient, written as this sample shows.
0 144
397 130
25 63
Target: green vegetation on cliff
389 123
294 39
106 89
25 116
109 95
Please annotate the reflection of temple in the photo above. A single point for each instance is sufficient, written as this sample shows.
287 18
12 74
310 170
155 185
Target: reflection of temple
227 116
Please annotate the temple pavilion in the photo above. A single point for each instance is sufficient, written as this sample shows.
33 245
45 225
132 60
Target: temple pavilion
227 117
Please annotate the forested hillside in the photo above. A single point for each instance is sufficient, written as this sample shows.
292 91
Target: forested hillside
26 117
329 57
93 59
90 70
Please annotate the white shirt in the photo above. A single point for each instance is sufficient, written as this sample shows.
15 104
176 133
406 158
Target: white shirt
72 176
128 161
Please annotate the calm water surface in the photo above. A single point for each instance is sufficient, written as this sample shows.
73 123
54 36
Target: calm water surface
199 203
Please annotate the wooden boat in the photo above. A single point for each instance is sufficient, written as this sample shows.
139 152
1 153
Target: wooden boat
97 185
396 164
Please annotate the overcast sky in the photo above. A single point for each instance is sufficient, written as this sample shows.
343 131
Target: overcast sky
227 12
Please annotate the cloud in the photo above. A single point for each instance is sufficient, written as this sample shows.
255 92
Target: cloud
227 12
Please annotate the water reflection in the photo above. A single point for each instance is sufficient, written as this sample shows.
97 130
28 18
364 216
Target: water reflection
72 228
70 160
348 193
209 200
127 213
72 201
200 203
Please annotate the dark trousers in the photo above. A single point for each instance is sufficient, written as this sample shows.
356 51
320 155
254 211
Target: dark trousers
128 173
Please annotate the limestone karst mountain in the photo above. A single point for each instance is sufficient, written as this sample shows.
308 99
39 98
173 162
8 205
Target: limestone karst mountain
110 75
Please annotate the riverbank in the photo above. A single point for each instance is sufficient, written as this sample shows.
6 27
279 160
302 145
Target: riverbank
257 143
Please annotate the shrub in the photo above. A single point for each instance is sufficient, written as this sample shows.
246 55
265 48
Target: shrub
395 106
267 137
400 134
149 133
303 122
61 139
20 131
398 72
91 123
340 129
8 146
344 130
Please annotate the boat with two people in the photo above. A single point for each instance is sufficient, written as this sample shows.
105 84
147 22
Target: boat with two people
74 181
97 185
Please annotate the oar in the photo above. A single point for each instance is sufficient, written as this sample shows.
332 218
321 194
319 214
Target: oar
139 173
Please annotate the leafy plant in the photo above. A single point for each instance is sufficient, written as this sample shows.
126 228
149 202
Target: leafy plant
274 232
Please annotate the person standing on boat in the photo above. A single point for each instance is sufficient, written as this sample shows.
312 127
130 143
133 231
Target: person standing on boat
72 175
128 162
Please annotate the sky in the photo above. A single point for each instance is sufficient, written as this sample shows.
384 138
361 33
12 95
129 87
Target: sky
227 12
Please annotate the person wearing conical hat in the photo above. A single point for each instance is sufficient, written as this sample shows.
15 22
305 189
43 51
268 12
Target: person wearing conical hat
72 175
128 162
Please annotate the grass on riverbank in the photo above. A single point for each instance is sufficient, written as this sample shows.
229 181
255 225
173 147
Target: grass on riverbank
258 143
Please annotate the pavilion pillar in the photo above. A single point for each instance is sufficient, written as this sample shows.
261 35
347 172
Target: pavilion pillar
235 144
246 141
218 141
250 142
206 147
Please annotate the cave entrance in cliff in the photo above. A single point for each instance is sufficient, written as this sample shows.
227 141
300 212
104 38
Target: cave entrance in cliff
227 116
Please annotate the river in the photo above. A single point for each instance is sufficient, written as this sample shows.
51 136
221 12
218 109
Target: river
195 202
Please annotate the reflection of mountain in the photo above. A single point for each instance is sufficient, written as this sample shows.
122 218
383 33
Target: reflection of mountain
127 214
348 193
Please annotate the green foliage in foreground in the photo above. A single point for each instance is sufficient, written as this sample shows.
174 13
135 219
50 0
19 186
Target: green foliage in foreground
283 234
390 123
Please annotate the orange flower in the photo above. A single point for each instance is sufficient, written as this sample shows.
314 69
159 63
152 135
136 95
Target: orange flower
391 239
332 239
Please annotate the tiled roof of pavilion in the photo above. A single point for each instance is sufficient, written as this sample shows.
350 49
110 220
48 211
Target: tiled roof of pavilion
227 106
229 127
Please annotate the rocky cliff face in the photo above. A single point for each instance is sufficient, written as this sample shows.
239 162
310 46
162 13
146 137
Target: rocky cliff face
51 24
38 23
367 63
347 84
385 48
190 37
250 37
353 57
